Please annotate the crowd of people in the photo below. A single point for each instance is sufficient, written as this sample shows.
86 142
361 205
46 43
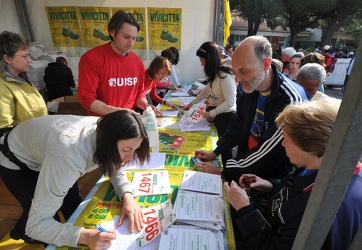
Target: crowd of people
273 112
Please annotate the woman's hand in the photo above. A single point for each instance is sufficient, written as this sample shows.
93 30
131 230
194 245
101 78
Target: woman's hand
96 240
206 155
156 110
172 86
133 211
208 117
170 105
207 168
248 181
188 106
237 196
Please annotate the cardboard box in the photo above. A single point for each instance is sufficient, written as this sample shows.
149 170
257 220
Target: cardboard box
66 105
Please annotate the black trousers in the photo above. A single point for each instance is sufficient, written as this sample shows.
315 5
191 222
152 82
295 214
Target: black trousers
221 122
22 185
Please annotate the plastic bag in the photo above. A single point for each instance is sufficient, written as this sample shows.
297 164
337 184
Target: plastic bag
150 122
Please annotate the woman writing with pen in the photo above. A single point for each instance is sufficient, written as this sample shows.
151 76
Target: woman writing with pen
50 153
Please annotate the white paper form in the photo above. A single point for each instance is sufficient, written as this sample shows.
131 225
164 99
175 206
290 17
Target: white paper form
170 113
179 94
157 161
217 225
186 88
178 238
219 236
158 218
187 100
198 206
201 182
151 183
203 125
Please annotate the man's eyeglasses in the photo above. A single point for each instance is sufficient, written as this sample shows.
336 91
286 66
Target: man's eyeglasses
25 56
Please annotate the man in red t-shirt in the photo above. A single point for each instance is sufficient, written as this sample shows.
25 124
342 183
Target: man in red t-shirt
111 76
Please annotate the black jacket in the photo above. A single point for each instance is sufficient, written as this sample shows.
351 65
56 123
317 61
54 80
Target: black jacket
58 79
277 228
268 159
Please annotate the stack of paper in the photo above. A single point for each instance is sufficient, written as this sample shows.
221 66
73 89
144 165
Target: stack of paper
199 209
190 237
170 113
180 94
186 88
201 182
199 201
203 125
187 100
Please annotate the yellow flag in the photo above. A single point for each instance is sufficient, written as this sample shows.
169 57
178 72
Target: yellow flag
227 21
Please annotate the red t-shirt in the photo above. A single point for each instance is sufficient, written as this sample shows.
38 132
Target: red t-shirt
113 79
327 59
150 88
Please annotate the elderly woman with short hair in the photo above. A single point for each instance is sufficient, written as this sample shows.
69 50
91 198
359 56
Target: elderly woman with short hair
19 99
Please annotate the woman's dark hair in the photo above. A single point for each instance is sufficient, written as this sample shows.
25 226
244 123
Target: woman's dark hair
158 63
10 43
113 127
171 54
214 62
118 19
313 57
61 59
177 55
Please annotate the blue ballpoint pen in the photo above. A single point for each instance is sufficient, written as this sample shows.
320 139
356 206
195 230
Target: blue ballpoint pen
101 229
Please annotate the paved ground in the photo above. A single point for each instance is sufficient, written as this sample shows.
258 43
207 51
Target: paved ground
333 92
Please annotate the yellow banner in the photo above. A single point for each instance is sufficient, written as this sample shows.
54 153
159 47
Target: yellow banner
65 29
227 21
94 25
164 28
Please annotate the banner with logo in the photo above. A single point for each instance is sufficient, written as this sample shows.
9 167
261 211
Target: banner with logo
65 29
164 29
94 25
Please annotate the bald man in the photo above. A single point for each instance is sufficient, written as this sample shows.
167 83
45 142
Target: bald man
263 93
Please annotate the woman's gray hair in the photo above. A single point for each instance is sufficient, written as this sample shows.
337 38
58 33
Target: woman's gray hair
289 51
10 43
312 71
298 55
